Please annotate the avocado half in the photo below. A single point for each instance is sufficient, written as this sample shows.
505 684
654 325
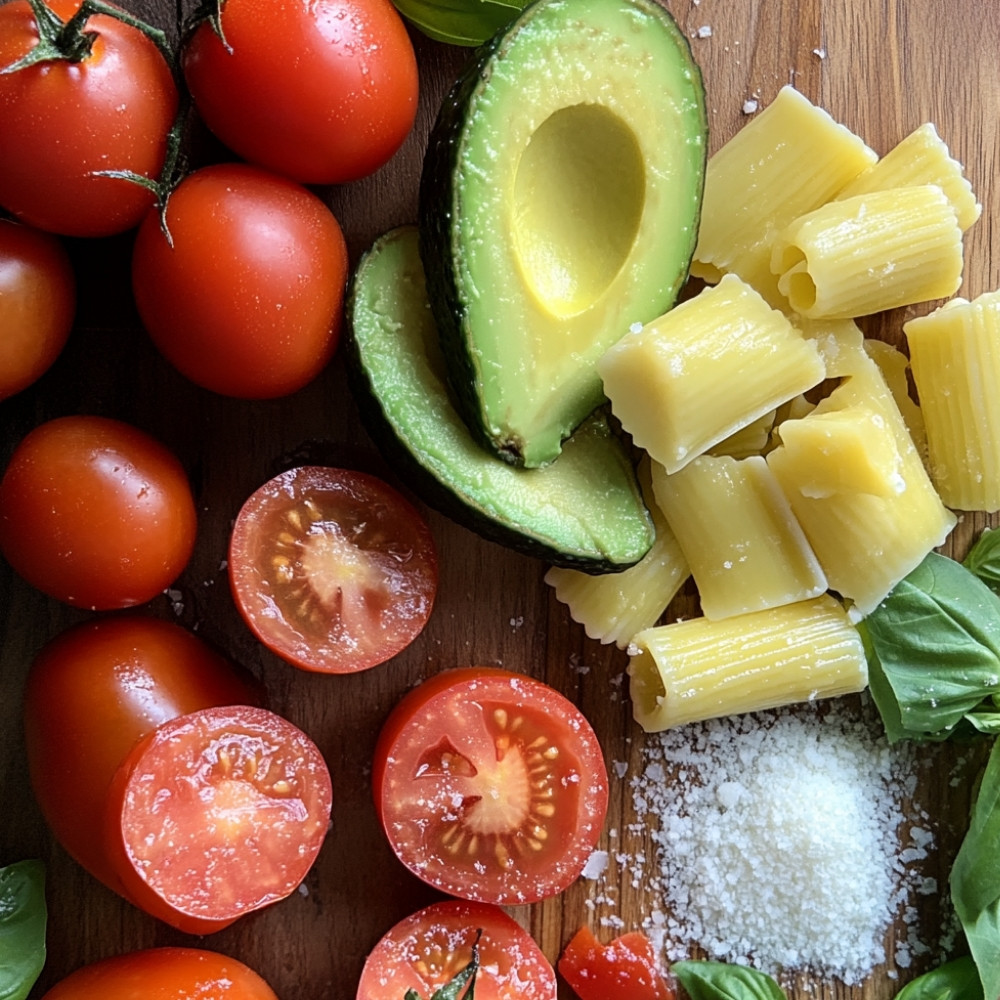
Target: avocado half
583 511
559 205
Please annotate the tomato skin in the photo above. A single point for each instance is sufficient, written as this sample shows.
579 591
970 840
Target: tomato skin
163 974
96 513
92 693
37 304
426 949
216 814
323 92
490 785
624 969
63 120
248 301
332 569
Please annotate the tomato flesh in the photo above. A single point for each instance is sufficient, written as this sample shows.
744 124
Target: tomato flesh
218 813
490 786
425 950
624 969
332 569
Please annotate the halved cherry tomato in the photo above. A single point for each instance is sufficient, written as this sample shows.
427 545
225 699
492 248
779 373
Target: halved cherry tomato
624 969
163 974
92 693
96 513
216 814
37 304
490 785
427 949
332 569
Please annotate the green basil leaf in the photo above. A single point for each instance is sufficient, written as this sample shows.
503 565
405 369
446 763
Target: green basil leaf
957 980
721 981
936 640
460 22
975 878
984 559
22 927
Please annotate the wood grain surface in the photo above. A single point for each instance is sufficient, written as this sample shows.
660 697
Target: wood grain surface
882 67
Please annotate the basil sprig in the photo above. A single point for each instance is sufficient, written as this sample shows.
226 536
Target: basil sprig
460 22
934 654
984 559
22 927
720 981
956 980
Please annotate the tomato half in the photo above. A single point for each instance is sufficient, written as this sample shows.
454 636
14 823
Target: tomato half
164 974
248 299
490 785
624 969
96 513
64 119
37 304
92 693
216 814
332 569
430 947
323 91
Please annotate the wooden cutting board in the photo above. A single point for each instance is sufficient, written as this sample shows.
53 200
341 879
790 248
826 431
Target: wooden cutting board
882 67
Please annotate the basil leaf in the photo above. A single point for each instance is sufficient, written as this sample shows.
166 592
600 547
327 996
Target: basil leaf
975 878
984 559
460 22
936 640
22 927
721 981
957 980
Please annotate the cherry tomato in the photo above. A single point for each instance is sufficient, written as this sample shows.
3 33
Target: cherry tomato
163 974
64 119
37 304
323 92
625 969
332 569
216 814
429 948
96 513
92 693
490 785
248 300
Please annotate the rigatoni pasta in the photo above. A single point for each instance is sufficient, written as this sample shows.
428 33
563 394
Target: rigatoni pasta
955 359
699 669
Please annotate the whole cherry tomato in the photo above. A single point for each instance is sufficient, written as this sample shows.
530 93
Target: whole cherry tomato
106 102
323 91
37 304
245 297
96 513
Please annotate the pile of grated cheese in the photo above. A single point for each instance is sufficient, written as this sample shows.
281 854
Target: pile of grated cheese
778 842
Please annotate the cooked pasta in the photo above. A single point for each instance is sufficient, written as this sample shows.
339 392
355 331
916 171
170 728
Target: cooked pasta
699 669
749 440
894 366
955 357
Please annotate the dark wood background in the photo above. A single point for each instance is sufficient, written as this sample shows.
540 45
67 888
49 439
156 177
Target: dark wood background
880 66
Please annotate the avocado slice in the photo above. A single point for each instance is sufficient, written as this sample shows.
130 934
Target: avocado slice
559 205
583 511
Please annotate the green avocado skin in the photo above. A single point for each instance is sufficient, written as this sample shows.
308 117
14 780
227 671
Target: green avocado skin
584 511
442 200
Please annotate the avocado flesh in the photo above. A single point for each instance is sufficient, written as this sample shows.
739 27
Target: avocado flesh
583 511
559 205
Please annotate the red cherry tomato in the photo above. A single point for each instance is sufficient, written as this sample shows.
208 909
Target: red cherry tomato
92 693
323 92
625 969
429 948
216 814
333 570
490 786
247 301
96 513
37 304
64 119
163 974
